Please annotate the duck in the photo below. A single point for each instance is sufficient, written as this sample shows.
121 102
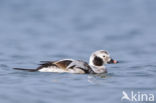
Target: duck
95 66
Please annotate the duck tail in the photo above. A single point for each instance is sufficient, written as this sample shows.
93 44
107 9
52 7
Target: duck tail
29 70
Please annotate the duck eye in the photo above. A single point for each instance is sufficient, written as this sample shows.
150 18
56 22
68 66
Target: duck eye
104 56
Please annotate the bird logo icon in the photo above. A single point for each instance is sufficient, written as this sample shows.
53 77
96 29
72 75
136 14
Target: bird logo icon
125 96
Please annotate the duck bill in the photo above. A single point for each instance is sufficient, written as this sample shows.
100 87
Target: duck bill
112 61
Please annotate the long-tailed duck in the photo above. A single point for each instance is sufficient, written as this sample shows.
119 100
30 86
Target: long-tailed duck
96 64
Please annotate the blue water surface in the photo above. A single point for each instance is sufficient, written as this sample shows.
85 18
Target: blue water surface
39 30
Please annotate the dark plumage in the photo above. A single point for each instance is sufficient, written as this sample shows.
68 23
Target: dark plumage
97 61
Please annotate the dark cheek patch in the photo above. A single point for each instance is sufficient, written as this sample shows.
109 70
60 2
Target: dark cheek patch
97 61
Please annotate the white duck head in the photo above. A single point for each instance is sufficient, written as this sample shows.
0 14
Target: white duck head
98 59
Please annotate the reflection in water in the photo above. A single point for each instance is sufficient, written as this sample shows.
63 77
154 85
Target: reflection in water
43 30
96 78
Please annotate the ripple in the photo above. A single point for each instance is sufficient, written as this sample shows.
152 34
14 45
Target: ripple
36 30
3 66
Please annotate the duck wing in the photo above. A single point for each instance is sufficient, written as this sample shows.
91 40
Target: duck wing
80 64
60 64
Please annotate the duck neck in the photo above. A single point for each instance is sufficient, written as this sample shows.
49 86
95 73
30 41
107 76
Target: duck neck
91 60
97 69
94 67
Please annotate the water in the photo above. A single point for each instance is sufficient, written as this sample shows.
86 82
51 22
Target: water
36 30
